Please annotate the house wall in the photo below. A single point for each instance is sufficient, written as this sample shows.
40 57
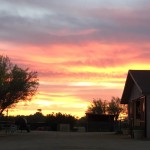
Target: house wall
148 115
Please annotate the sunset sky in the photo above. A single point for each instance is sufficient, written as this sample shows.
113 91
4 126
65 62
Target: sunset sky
81 49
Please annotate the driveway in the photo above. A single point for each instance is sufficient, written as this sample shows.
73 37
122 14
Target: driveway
47 140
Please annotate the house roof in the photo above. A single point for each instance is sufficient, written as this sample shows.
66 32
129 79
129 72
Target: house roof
141 78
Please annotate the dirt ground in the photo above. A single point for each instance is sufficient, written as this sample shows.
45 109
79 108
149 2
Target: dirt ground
47 140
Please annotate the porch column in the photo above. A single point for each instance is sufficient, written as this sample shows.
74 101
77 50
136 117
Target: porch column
148 116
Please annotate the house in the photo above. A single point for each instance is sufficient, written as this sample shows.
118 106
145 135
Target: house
137 95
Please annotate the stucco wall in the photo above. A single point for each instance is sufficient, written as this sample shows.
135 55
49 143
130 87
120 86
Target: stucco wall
148 115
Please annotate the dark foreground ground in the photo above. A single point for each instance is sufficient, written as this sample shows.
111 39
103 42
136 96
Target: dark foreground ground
46 140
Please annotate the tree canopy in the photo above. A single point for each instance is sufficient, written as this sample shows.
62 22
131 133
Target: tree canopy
99 106
114 107
16 84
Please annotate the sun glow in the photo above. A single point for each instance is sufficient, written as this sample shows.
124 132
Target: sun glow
43 103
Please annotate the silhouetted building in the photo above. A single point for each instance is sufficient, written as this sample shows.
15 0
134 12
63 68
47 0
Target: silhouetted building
99 123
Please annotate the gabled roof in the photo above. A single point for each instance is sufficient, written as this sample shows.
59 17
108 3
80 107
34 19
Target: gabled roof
141 78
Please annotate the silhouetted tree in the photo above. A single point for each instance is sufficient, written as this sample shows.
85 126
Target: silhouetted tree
98 106
35 118
114 107
82 122
16 84
54 120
